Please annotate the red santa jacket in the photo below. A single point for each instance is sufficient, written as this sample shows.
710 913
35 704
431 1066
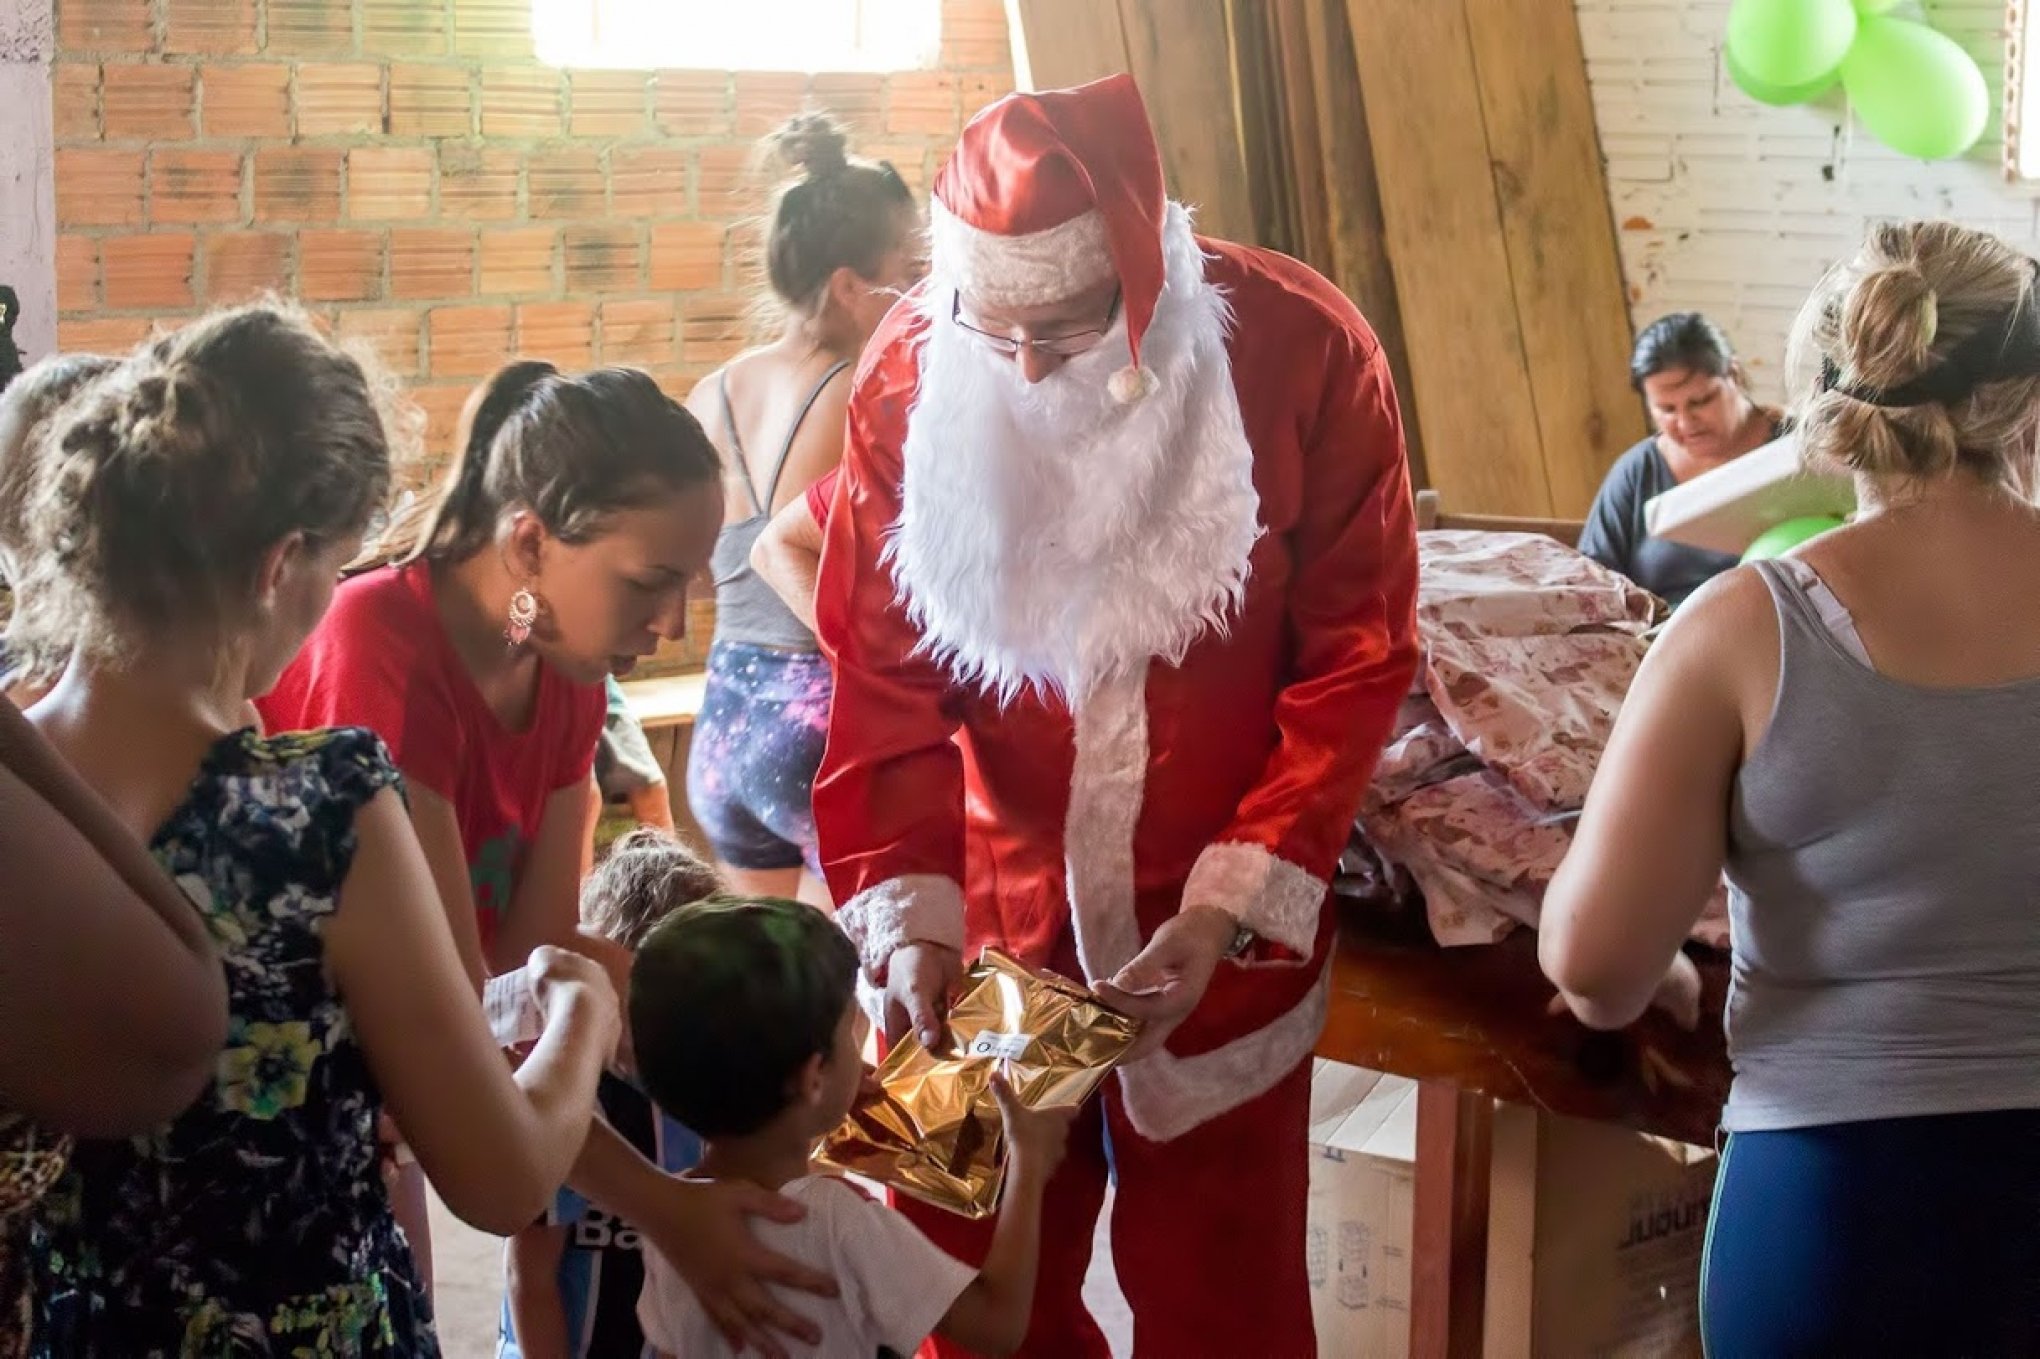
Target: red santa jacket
1229 780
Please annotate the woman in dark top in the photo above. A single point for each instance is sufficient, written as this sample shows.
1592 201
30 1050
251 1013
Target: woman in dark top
1705 419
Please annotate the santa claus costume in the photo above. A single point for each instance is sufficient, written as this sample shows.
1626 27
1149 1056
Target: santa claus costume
1115 644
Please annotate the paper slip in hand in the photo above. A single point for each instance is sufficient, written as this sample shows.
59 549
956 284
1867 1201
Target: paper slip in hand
512 1011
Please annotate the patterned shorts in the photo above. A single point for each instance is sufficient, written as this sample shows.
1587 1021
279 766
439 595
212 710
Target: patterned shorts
757 744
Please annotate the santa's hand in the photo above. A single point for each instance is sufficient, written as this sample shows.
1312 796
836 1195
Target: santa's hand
919 978
1163 984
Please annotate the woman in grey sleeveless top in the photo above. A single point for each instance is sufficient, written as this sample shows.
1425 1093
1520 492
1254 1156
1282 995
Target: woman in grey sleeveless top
1853 732
842 243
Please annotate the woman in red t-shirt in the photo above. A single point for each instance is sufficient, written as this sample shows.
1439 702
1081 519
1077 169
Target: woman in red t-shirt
556 553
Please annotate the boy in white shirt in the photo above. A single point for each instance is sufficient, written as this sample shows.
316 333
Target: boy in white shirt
746 1029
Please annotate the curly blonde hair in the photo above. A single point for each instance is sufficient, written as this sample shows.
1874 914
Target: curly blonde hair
1913 295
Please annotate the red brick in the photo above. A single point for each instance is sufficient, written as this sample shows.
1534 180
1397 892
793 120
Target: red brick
478 186
518 260
74 101
340 266
687 256
713 330
247 101
404 28
389 183
492 28
766 99
725 185
148 272
210 27
343 100
297 183
105 26
393 335
434 263
922 103
430 101
148 103
907 155
693 103
857 100
567 184
639 332
113 336
310 28
974 35
980 91
244 264
562 333
77 273
440 405
649 182
99 188
195 186
601 259
521 103
468 341
607 103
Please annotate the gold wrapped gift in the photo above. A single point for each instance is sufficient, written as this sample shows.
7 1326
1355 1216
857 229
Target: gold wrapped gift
934 1130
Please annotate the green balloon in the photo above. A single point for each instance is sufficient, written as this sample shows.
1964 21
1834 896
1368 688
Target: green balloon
1782 538
1916 90
1775 95
1784 44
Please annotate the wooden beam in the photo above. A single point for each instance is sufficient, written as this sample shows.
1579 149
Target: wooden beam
1180 52
1266 131
1060 43
1567 275
1482 446
1295 71
1448 1239
1358 247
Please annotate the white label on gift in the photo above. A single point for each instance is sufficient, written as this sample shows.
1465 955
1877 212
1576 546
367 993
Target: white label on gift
1010 1046
512 1011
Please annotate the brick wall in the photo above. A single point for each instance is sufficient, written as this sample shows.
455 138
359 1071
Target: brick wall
411 172
1733 208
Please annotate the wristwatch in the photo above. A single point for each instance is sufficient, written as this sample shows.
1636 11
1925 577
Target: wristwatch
1242 940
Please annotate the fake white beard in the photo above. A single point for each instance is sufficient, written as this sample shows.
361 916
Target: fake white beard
1051 536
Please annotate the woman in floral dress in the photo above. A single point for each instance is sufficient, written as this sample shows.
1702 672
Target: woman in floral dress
192 517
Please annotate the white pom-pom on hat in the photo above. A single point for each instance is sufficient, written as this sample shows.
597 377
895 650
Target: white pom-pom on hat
1131 384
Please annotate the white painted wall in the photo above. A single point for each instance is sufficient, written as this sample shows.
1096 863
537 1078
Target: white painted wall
1725 206
28 208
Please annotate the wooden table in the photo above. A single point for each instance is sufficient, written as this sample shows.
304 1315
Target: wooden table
1470 1025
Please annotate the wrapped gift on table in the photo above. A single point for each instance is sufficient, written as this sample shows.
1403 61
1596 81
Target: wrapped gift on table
934 1130
1729 508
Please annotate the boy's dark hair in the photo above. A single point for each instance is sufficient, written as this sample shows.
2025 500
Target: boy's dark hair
729 998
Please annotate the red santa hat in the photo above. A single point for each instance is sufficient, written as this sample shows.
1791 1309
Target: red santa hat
1051 193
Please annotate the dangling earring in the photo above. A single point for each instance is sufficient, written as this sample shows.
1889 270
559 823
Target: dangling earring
523 614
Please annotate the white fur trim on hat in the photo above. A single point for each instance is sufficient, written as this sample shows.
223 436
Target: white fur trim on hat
1020 271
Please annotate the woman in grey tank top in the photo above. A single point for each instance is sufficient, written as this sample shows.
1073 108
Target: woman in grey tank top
1853 734
842 244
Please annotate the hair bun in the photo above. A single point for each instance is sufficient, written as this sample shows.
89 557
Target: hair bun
1889 325
815 143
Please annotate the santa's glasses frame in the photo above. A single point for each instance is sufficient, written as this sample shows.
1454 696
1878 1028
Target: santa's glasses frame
1054 346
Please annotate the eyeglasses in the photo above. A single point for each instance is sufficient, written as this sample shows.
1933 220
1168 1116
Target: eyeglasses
1055 346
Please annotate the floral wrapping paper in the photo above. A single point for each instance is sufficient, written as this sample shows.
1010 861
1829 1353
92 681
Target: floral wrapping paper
1529 648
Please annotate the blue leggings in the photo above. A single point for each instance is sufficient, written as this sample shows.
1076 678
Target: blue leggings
1914 1237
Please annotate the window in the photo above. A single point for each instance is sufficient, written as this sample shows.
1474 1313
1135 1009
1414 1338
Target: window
740 35
2022 90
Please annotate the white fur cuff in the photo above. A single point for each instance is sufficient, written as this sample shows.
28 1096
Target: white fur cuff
1020 271
1272 897
920 908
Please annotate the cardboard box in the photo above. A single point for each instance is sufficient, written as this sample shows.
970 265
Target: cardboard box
1595 1233
1595 1237
1731 507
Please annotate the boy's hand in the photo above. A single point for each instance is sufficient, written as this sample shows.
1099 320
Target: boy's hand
1039 1137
